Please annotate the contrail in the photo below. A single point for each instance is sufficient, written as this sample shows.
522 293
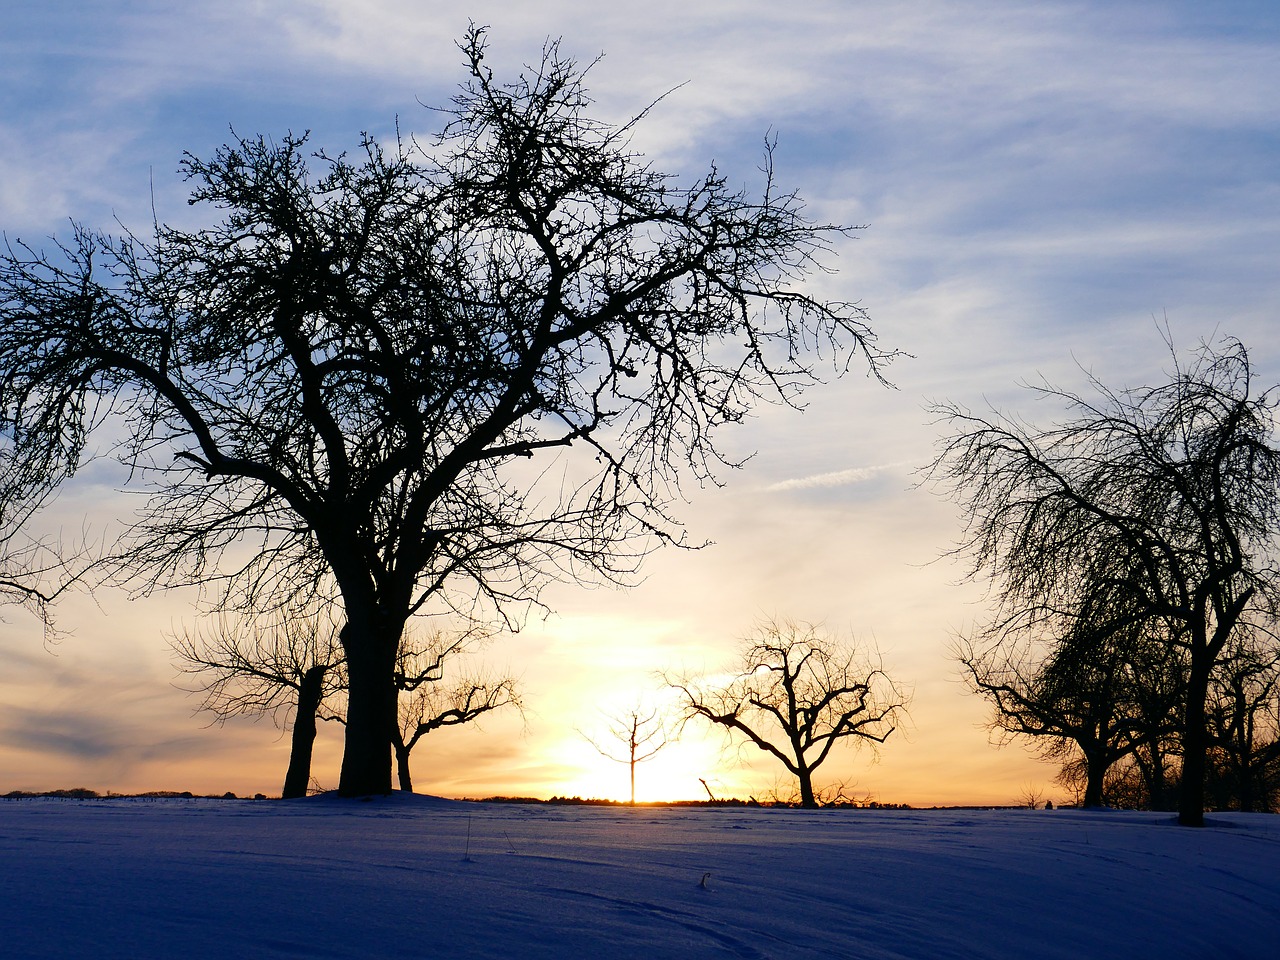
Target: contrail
838 478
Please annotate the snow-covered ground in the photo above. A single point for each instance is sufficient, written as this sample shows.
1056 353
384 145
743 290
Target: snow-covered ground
408 876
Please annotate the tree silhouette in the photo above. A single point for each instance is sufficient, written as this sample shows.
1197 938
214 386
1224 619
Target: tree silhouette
428 702
1244 726
294 672
1168 495
639 734
796 695
336 391
1102 691
286 670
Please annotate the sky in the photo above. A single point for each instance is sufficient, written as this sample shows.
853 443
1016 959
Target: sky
1041 188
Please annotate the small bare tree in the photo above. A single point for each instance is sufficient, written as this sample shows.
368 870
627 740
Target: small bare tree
1032 797
639 733
290 666
796 695
427 703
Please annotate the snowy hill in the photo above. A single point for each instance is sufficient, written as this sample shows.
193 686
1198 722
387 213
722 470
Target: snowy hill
409 876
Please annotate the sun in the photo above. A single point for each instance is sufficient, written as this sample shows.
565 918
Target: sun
689 768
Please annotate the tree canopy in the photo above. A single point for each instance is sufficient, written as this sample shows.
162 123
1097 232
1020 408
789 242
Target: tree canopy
431 374
1156 505
797 694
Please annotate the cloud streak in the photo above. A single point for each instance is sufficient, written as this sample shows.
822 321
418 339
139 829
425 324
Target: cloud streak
834 478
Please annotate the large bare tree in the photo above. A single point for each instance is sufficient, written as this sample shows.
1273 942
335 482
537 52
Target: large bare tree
337 389
1166 498
796 694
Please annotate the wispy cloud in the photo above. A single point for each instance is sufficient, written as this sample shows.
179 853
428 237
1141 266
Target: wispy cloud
836 478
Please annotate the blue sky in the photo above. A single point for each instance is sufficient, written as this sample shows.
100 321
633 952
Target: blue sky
1040 185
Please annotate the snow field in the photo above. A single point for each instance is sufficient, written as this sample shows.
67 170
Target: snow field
412 876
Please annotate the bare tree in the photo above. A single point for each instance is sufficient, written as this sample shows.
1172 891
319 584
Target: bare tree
1032 797
639 735
286 669
796 695
1099 694
1244 726
428 702
1167 495
337 388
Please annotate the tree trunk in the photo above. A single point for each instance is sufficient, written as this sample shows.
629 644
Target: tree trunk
402 765
1150 771
1158 789
310 692
1095 768
1195 745
1154 777
1245 757
1244 791
807 799
371 711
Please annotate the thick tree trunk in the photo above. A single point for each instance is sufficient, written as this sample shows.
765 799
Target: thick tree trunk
807 799
310 691
1244 789
1195 745
1095 768
371 711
